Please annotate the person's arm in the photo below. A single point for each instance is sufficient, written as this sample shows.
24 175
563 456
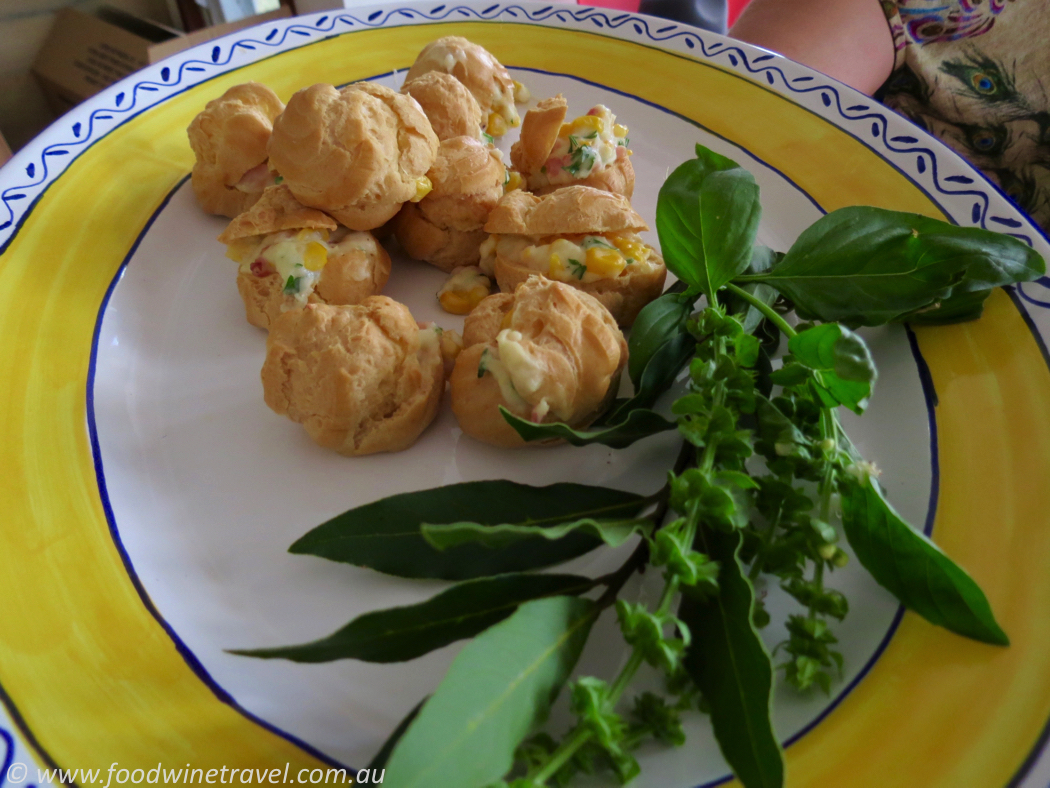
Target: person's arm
845 39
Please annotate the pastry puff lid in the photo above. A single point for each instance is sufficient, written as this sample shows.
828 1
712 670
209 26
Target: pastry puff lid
572 210
539 133
275 211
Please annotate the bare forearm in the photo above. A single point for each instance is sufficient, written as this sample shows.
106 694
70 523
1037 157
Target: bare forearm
845 39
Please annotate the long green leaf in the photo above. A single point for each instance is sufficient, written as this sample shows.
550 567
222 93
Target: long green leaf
381 757
613 532
730 664
637 424
913 569
497 691
707 216
399 634
869 266
385 535
847 371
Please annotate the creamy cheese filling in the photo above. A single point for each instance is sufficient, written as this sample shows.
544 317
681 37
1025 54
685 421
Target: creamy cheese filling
574 258
585 146
297 257
519 375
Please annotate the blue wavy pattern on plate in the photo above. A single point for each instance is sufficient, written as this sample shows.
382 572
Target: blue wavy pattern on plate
18 200
1036 293
131 101
8 742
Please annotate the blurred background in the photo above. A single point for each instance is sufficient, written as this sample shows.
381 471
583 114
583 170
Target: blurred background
56 53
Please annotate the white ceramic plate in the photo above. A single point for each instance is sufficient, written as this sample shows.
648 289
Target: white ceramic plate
202 489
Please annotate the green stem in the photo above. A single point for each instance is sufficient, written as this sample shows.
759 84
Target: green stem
561 756
581 736
775 317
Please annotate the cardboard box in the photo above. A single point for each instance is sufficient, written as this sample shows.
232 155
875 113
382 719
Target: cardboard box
85 53
5 150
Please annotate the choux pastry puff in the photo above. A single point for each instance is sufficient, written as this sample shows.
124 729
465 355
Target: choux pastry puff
484 76
357 154
580 236
548 352
451 109
291 256
229 140
590 151
361 379
445 227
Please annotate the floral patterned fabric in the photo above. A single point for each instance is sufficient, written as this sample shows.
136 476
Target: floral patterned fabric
976 73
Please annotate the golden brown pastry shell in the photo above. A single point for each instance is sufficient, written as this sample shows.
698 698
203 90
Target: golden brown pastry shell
486 319
449 106
442 248
539 135
577 339
276 210
354 376
229 138
569 210
445 227
476 403
355 153
473 65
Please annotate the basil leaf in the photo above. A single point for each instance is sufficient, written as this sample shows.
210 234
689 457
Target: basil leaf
847 371
762 259
956 308
659 322
637 424
385 535
730 664
707 216
777 435
868 266
661 371
399 634
913 569
496 692
613 532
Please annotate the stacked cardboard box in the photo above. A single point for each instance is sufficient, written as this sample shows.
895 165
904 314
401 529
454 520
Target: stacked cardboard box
85 53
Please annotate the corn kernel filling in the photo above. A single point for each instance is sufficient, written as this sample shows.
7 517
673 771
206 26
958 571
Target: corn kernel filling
423 188
585 146
580 258
464 290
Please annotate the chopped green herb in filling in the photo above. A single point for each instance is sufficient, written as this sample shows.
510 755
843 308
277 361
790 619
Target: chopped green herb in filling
577 268
581 160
